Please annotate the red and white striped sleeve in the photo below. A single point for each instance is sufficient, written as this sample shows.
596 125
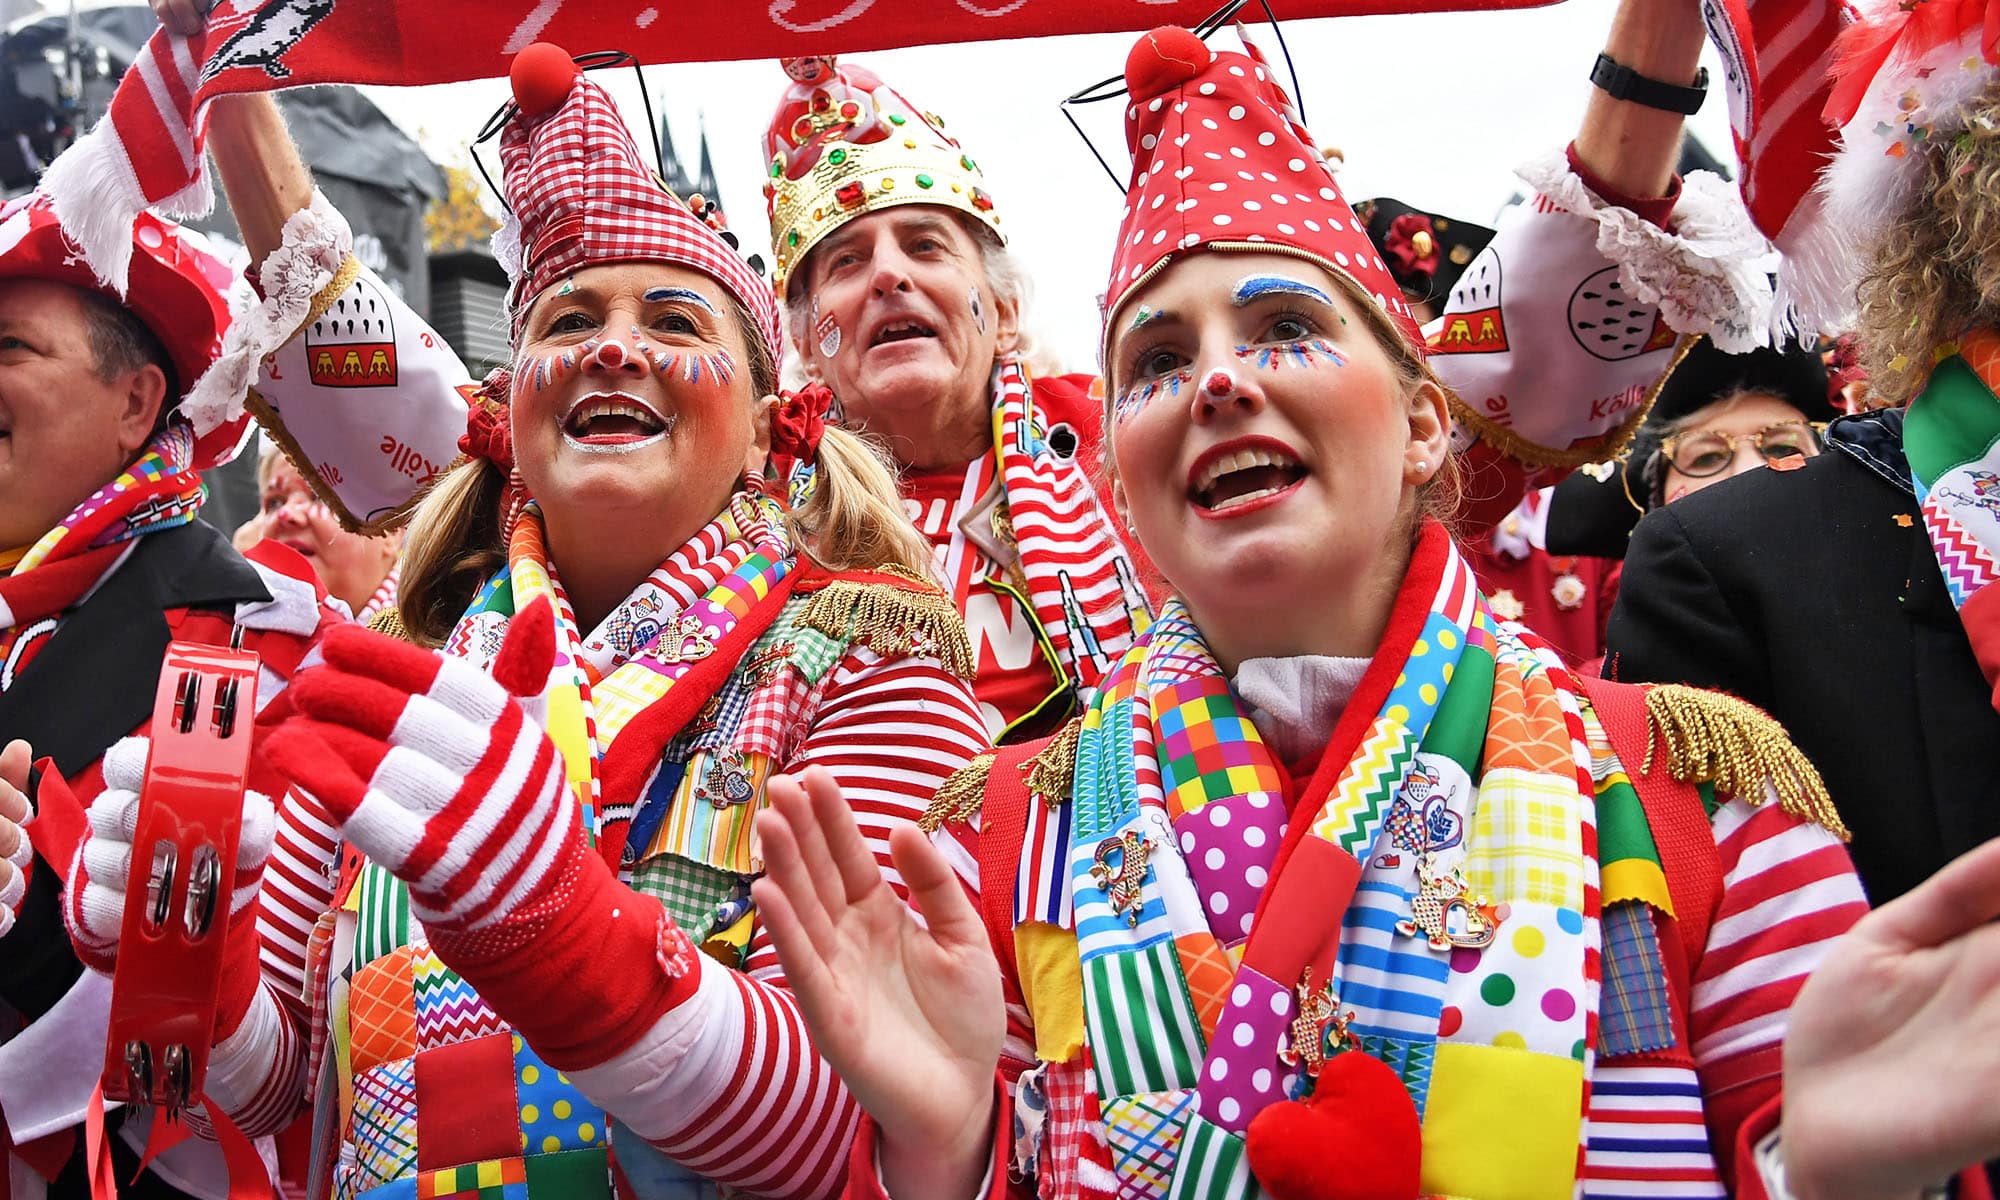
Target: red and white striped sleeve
298 887
1788 892
728 1084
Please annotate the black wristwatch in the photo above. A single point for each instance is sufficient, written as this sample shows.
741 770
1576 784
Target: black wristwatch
1623 83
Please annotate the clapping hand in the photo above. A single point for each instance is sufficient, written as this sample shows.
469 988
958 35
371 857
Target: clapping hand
1892 1069
910 1017
15 852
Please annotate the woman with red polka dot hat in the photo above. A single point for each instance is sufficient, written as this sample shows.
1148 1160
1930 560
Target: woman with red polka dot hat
1340 889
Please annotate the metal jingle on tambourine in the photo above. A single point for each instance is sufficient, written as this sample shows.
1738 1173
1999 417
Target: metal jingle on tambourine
176 1080
160 885
187 699
138 1070
225 708
204 883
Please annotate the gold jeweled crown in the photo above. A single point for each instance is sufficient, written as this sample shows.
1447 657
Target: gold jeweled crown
843 143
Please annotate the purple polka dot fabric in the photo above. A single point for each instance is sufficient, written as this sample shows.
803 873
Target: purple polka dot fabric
1229 846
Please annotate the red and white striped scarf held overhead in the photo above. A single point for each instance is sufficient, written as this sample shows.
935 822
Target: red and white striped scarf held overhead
1776 55
147 151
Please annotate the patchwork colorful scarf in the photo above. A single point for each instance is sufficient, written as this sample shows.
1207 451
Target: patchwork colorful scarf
630 663
1081 583
158 491
1952 438
1217 917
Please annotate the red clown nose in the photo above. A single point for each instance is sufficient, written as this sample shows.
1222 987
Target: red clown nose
610 355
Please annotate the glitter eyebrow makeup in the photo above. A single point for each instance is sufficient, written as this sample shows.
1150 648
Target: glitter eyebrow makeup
1256 287
659 294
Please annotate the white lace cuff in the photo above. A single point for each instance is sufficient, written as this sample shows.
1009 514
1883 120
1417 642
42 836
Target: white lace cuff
316 245
1710 274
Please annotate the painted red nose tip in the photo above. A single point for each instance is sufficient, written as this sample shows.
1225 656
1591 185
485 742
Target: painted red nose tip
611 354
1219 383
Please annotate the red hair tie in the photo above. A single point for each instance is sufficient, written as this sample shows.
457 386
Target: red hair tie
797 425
488 434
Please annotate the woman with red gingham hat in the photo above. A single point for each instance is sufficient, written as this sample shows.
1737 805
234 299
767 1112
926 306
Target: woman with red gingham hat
657 589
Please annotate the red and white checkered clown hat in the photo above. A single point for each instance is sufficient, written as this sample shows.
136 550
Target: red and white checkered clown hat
1220 162
582 195
178 288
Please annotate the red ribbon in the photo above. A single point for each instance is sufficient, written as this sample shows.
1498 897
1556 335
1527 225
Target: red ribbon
797 424
488 434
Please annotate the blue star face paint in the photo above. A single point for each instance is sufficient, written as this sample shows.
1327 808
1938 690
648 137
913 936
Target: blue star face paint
1251 288
660 295
1276 356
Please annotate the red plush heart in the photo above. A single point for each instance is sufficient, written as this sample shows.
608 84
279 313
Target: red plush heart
1357 1138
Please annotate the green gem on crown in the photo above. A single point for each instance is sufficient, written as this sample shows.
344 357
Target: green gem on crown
792 238
897 119
836 157
924 181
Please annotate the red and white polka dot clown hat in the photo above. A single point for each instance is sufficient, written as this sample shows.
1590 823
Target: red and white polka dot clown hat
582 195
1220 162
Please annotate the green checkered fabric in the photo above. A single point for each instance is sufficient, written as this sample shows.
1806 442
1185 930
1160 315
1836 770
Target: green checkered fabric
689 890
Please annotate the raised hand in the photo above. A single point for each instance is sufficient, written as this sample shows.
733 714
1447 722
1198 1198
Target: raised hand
435 770
94 897
910 1017
15 852
185 17
1892 1072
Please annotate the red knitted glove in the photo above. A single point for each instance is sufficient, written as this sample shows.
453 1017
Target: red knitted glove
435 772
94 897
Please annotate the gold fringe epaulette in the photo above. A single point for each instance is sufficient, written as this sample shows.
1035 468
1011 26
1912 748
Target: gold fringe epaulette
959 796
1714 738
390 621
900 615
1051 773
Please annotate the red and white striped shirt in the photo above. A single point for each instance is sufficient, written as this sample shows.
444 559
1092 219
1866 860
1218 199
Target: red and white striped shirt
727 1084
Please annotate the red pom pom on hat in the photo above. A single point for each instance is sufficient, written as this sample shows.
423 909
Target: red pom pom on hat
1164 59
541 76
1357 1138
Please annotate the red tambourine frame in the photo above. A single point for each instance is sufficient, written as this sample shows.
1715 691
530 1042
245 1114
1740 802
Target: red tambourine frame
170 953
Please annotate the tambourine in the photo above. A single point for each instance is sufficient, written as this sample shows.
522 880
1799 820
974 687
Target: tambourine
170 952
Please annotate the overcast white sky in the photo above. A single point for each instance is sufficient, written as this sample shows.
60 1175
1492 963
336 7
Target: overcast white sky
1435 109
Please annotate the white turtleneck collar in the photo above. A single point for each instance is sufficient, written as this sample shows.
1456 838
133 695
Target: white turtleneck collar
1295 702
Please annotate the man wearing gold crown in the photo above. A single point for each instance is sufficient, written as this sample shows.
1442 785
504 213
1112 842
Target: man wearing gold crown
902 297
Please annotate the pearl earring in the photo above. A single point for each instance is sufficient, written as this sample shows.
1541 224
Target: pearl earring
1422 466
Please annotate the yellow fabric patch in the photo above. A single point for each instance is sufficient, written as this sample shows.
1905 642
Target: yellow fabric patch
1052 985
1502 1124
1637 879
1526 841
567 731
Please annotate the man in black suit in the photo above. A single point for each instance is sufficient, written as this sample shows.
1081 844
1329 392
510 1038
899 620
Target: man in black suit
1815 594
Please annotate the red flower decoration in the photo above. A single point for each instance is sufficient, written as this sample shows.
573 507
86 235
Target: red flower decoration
488 433
1411 246
797 424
